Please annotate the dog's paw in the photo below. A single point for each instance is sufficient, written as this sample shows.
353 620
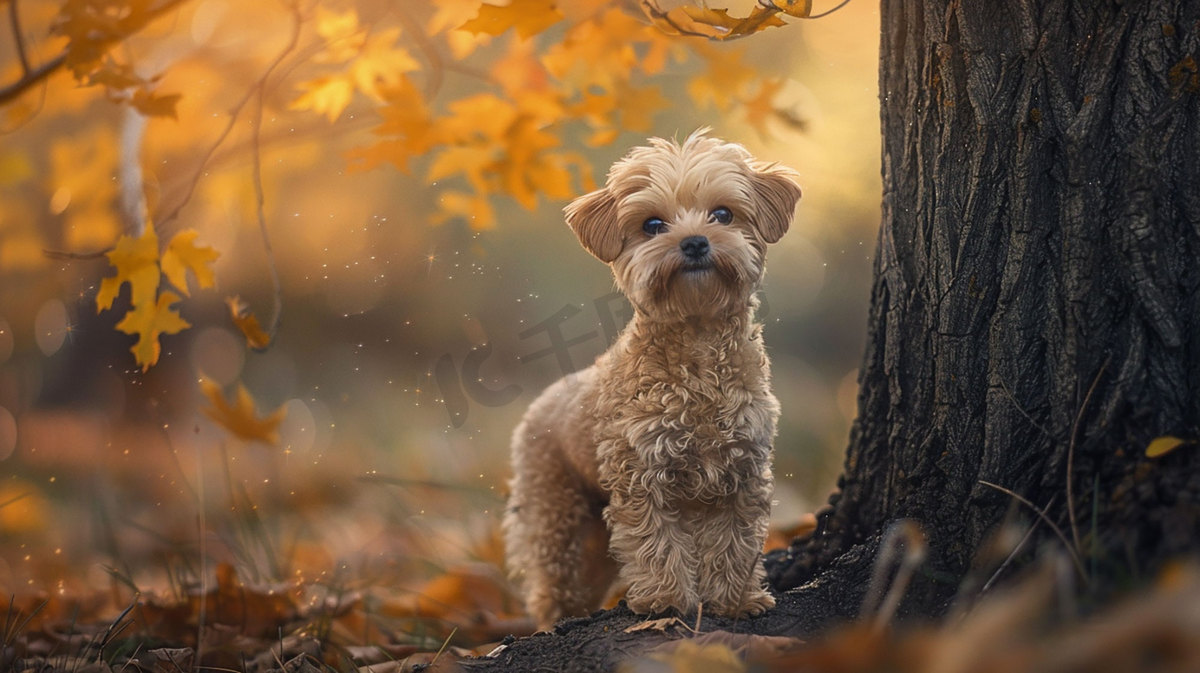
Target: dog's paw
758 602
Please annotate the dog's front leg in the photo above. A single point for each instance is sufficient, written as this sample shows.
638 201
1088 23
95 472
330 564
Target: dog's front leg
730 539
650 543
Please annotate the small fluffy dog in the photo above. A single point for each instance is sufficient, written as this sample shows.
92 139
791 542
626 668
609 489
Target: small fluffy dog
656 460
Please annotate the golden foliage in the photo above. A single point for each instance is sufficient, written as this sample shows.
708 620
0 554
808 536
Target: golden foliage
478 100
138 263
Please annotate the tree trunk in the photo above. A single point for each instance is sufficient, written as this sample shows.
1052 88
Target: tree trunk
1035 315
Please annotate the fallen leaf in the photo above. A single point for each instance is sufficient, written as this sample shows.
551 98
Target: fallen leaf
241 417
657 625
1164 445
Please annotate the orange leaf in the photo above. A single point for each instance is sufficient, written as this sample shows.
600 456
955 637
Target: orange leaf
527 17
247 322
148 321
241 418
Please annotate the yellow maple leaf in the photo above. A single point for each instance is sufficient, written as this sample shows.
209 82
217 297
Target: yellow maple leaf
638 106
342 35
326 95
408 125
722 83
136 262
182 256
474 208
527 17
240 417
148 321
451 14
380 64
761 108
471 161
247 322
596 53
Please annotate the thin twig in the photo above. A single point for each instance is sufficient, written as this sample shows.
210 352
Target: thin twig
437 65
1041 515
1016 549
14 20
259 195
906 533
31 78
1024 413
443 647
1071 456
827 12
68 255
257 87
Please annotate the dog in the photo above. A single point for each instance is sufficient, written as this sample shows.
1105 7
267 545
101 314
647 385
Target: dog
654 464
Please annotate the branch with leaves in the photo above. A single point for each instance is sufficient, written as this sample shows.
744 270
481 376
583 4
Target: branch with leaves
478 101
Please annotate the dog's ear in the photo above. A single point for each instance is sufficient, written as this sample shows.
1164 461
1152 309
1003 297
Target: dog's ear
777 193
593 218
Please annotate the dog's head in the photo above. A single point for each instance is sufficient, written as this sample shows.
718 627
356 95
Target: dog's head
686 226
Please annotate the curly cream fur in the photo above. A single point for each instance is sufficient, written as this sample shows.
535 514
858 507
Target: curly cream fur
655 462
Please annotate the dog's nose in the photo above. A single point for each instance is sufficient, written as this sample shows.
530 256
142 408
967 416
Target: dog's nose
694 247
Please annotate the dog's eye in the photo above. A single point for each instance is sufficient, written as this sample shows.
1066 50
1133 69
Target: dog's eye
654 225
721 215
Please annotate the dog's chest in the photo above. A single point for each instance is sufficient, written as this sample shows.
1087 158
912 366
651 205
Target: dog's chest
701 404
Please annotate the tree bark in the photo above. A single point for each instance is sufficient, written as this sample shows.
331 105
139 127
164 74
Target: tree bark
1034 315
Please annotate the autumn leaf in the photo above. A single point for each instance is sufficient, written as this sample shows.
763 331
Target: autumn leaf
1161 446
247 322
473 208
240 417
686 656
328 95
761 108
136 262
148 321
722 83
182 256
527 17
380 64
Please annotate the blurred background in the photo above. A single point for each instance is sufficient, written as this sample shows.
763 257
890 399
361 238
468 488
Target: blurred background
416 323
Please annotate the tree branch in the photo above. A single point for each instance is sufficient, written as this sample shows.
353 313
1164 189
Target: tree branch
14 20
31 77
